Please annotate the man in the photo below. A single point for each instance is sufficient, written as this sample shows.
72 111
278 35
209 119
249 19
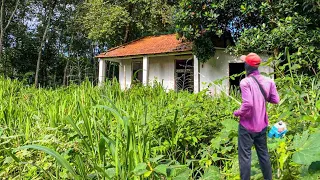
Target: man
255 91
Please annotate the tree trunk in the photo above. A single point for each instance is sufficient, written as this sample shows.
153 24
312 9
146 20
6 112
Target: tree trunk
127 30
1 46
70 74
126 35
95 72
42 44
79 70
276 52
65 74
1 30
4 28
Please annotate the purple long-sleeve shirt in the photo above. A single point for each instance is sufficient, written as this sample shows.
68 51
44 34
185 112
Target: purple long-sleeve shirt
253 114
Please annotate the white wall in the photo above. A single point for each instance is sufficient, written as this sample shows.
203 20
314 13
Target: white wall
214 69
102 72
218 68
162 69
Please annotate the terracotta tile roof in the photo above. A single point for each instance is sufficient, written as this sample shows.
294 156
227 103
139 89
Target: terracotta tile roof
148 45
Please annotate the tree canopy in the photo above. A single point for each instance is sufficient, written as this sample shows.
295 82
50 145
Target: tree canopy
287 24
54 42
262 25
59 47
117 22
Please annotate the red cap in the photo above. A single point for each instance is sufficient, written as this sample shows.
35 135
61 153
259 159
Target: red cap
252 59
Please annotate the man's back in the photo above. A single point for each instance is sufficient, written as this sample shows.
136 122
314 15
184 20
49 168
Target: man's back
253 109
254 118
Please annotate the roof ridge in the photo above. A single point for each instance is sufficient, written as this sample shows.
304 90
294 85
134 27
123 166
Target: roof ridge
144 37
152 44
117 47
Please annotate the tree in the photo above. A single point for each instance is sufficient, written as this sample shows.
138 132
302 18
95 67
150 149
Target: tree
207 22
117 22
50 8
76 47
291 24
262 25
62 35
43 39
5 21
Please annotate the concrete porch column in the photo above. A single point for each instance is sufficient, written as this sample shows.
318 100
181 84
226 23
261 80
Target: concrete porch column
145 77
196 76
102 72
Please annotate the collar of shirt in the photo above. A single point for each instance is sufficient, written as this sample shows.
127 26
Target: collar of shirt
254 73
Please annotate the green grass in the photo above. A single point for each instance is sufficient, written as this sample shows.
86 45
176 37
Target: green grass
86 132
98 131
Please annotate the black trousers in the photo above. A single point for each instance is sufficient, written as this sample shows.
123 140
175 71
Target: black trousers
246 140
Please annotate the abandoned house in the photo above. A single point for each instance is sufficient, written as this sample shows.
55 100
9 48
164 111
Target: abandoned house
167 60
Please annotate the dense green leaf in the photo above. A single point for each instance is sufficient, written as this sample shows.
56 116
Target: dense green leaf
140 169
211 173
147 174
230 125
157 158
318 105
182 174
300 140
308 152
54 154
162 169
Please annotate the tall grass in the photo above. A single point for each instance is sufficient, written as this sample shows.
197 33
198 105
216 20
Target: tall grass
99 132
86 132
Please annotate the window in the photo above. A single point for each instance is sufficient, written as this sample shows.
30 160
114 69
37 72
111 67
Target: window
184 75
137 71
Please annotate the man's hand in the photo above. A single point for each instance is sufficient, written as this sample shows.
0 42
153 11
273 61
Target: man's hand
236 113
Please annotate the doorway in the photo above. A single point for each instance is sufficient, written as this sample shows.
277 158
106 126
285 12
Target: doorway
137 72
235 69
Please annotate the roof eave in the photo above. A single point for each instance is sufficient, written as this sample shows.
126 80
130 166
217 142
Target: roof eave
149 55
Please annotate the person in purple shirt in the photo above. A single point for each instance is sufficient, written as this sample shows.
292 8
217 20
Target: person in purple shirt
256 91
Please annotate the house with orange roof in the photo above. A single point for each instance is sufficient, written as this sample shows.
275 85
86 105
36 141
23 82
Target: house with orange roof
170 61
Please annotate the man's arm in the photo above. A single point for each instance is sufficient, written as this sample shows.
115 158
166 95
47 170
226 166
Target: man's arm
247 101
274 96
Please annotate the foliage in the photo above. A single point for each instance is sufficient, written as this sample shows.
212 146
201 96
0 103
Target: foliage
206 21
256 26
88 132
145 132
77 32
287 24
117 22
105 22
67 55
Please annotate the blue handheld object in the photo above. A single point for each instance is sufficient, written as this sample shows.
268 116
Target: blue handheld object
274 131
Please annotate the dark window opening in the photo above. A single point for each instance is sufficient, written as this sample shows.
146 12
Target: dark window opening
137 72
112 70
234 70
184 75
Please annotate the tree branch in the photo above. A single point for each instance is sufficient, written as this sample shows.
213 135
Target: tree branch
13 12
1 15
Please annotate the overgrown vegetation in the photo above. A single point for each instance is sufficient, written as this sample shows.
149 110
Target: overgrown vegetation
86 132
254 25
60 38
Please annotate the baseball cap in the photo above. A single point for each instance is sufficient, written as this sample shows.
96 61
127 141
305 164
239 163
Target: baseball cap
251 59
